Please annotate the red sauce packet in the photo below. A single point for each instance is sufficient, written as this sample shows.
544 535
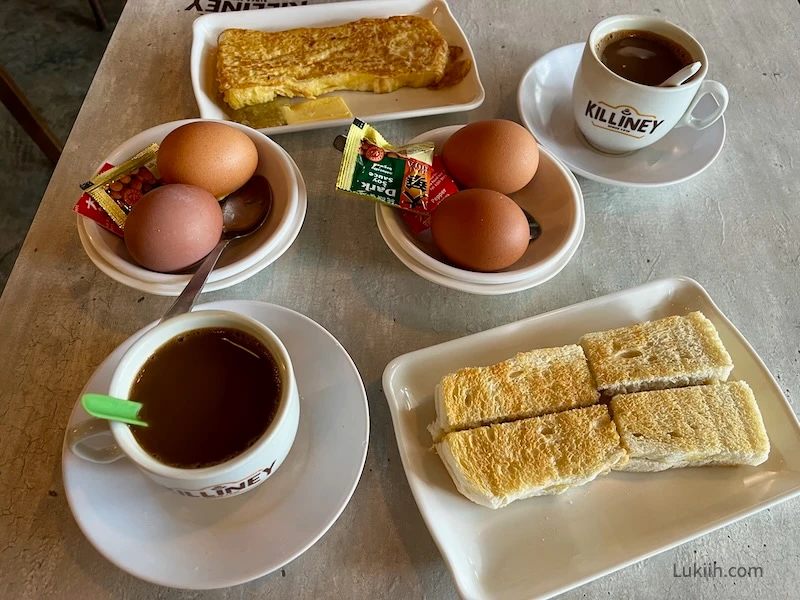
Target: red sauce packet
442 186
89 208
398 176
109 195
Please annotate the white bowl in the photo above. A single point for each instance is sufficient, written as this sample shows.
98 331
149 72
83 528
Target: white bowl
553 197
481 289
273 163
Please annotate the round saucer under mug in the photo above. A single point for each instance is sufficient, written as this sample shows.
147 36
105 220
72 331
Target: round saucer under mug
544 101
171 540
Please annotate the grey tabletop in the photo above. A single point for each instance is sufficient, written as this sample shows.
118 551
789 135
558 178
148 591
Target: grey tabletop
735 229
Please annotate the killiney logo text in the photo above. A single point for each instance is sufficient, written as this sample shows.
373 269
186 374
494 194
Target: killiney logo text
622 119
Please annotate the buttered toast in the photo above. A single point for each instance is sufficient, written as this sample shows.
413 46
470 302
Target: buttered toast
375 55
530 384
667 353
691 427
497 464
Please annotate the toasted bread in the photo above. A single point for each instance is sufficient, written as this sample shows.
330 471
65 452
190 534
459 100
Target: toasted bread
497 464
691 427
667 353
375 55
532 383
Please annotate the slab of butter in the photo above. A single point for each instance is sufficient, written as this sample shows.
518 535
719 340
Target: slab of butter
321 109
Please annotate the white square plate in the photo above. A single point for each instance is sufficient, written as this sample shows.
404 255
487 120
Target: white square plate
544 546
400 104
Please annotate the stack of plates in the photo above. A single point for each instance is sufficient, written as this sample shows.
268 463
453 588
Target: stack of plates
242 259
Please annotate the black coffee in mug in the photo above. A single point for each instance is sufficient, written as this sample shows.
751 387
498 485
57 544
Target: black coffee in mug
207 396
643 56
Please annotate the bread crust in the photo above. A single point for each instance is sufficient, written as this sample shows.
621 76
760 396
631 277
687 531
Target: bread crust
672 352
498 464
692 426
530 384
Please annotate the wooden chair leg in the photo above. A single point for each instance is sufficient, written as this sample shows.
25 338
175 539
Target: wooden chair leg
99 16
29 117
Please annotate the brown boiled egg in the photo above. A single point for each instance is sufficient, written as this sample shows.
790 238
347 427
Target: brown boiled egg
480 230
496 155
213 156
173 227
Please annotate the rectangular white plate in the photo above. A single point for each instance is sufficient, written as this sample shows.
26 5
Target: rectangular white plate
540 547
401 104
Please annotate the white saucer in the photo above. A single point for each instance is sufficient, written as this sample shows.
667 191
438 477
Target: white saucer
478 288
173 287
180 542
544 103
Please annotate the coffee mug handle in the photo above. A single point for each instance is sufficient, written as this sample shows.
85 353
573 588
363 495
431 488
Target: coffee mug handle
719 93
80 434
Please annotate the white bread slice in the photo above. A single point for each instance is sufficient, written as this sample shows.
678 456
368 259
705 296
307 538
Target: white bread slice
497 464
532 383
691 427
667 353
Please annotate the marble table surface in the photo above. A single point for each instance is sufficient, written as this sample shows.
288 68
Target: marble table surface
735 229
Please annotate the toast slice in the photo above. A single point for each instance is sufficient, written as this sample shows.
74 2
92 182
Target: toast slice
667 353
374 55
497 464
532 383
691 427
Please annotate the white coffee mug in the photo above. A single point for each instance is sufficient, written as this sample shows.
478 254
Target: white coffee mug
102 441
616 115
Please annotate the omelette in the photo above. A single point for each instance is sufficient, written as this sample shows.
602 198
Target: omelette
374 55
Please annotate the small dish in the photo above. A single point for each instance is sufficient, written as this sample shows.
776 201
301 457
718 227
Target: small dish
273 163
553 197
400 104
541 547
544 101
174 289
480 289
192 543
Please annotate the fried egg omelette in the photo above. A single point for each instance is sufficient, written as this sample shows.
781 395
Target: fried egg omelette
374 55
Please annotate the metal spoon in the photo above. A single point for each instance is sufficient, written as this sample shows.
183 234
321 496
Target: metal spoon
536 229
684 74
243 212
533 224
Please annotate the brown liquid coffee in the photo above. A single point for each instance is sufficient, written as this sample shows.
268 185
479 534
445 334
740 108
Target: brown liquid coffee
642 56
207 396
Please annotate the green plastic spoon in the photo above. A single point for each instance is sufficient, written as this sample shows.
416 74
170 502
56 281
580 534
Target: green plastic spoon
113 409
